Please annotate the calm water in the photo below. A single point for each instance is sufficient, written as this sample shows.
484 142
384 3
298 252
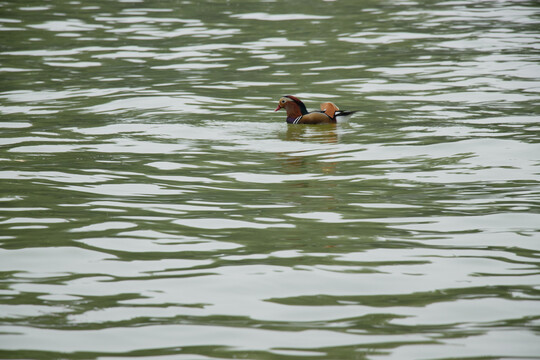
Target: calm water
154 206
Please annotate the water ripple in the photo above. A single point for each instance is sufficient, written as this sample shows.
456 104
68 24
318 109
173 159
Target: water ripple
154 204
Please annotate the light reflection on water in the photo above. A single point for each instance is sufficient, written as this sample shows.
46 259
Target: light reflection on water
154 205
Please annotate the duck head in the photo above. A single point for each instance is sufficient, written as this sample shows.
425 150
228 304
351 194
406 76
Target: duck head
292 105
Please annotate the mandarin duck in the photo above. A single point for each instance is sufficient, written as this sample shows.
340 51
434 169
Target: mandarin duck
297 112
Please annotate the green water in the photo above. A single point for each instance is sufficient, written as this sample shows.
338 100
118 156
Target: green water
154 206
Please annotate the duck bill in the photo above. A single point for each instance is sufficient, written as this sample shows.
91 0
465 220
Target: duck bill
278 107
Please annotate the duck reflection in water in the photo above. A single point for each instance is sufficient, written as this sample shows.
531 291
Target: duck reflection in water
324 134
321 134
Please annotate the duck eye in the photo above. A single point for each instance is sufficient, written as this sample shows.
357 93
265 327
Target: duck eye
283 101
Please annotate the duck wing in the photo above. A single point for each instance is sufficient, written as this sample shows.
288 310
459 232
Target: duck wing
316 117
329 109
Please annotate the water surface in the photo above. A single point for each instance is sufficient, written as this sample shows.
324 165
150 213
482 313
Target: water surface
153 205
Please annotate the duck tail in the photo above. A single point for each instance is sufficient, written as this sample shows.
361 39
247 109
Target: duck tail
346 112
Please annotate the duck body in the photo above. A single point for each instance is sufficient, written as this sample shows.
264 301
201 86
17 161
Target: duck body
297 112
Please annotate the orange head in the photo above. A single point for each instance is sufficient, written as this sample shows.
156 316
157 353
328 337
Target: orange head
293 105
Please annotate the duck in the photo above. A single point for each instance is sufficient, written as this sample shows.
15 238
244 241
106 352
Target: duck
297 112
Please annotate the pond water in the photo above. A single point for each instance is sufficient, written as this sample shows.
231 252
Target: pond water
154 206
